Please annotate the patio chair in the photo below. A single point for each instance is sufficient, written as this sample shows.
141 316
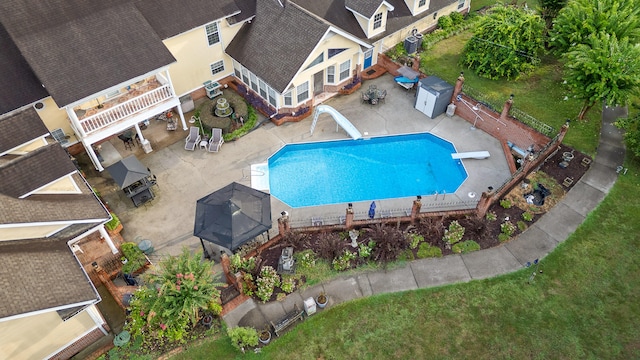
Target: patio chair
192 139
216 140
365 98
382 95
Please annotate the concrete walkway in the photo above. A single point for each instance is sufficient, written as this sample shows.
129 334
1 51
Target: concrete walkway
536 242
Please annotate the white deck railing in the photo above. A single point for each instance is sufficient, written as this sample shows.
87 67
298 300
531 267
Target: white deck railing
121 111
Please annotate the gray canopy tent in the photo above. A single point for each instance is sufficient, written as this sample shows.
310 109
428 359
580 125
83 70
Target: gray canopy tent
134 179
232 216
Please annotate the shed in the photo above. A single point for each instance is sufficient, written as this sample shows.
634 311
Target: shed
433 96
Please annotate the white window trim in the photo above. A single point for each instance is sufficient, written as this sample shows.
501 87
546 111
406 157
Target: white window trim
347 71
206 30
288 95
379 22
217 65
306 83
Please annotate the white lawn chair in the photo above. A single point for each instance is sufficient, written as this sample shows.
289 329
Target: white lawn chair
216 140
192 139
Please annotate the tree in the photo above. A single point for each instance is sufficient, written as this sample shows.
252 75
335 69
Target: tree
173 297
549 10
577 21
604 69
506 43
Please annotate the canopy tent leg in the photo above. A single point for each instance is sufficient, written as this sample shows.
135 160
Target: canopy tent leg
204 250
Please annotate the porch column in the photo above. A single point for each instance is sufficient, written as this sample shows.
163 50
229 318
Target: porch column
107 238
184 123
139 132
92 155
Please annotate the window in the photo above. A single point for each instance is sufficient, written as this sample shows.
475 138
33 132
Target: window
59 136
422 3
254 82
213 36
245 76
331 74
288 101
303 92
334 52
263 89
236 71
344 69
461 4
377 20
217 67
317 61
272 96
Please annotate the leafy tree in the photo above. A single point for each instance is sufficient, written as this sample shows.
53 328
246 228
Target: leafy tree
549 9
604 69
506 43
173 297
577 21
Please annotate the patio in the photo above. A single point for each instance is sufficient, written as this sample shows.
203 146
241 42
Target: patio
185 176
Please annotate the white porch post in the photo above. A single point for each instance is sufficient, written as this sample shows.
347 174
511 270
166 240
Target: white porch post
184 123
107 238
139 132
92 155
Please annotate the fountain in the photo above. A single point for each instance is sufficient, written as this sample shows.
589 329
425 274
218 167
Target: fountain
222 108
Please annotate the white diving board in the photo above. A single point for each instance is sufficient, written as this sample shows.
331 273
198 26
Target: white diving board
471 155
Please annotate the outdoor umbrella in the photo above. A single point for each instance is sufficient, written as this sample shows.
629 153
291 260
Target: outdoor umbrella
372 210
232 216
127 171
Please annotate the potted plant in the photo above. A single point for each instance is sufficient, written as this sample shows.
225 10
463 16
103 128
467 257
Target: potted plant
265 336
322 300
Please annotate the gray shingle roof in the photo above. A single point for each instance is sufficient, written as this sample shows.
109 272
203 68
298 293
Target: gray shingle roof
20 129
247 10
277 42
18 85
38 274
172 17
363 7
78 49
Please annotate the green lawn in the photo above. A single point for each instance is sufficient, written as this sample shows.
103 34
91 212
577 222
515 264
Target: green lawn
584 305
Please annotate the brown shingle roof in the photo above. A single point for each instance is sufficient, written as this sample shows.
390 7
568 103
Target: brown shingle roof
38 274
247 10
78 49
34 170
277 42
364 7
20 128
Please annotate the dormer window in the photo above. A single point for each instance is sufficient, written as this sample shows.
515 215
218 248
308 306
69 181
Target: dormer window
377 21
422 3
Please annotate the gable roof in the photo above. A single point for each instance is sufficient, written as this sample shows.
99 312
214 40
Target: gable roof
277 42
92 47
18 84
19 129
365 8
39 274
247 11
172 17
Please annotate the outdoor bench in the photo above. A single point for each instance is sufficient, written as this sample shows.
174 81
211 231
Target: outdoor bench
287 320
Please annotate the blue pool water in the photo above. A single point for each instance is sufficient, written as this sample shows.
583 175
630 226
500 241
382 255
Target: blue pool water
379 168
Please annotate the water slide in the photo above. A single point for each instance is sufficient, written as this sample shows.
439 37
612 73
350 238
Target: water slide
338 117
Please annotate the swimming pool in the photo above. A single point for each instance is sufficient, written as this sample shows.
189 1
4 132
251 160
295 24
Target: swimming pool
378 168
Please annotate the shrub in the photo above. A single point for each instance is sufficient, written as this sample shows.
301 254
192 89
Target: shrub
330 246
249 124
288 284
267 281
454 233
506 203
445 22
248 286
238 263
502 237
113 223
305 259
390 242
427 251
465 247
406 255
456 18
507 228
522 225
364 250
343 262
491 216
135 257
243 337
415 240
527 216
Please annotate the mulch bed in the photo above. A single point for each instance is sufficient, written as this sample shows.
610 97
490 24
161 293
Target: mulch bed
483 231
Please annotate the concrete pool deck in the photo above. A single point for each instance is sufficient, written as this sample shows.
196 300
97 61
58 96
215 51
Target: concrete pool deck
185 176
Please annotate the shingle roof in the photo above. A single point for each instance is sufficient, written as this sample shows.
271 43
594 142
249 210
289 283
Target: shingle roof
34 170
19 129
91 47
277 42
247 10
18 85
172 17
40 274
364 7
